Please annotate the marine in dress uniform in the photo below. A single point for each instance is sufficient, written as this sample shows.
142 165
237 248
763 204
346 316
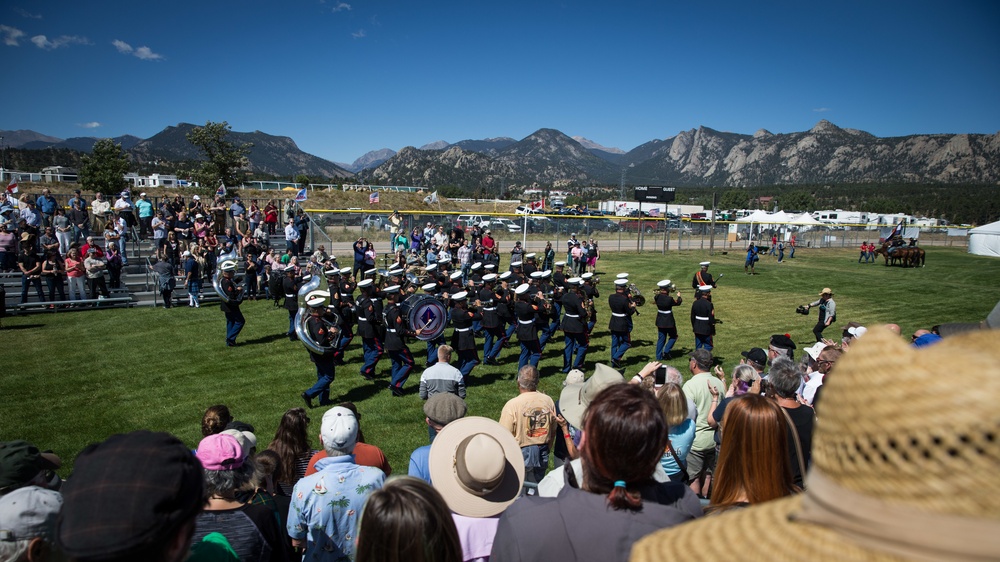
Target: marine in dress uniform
703 318
666 325
290 290
527 331
462 338
493 328
574 329
702 277
368 329
319 326
231 308
396 333
620 324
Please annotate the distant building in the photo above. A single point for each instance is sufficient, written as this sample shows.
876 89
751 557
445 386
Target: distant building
153 180
53 174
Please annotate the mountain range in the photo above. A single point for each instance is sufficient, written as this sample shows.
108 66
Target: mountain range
696 157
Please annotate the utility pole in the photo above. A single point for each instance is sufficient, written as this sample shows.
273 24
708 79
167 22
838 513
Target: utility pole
621 190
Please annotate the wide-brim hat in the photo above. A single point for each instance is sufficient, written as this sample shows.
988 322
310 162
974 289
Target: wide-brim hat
476 465
826 291
574 398
897 471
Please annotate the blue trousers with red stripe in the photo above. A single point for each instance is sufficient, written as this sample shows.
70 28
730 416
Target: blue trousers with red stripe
620 343
402 364
373 349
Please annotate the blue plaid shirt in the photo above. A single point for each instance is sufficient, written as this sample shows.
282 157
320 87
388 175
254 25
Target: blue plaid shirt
326 507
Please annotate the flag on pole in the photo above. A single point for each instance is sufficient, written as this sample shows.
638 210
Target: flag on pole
12 186
537 205
221 192
896 231
301 195
373 198
431 199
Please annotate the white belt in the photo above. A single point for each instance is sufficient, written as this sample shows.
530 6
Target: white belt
490 308
702 318
665 311
572 315
390 330
287 296
462 329
618 315
525 321
362 319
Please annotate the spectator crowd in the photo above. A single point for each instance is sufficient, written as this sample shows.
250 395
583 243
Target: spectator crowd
644 468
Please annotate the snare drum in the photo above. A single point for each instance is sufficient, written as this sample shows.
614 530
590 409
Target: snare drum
424 312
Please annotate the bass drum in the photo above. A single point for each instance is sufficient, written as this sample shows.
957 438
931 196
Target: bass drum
426 313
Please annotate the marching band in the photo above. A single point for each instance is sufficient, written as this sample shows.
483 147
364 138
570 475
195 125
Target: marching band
389 307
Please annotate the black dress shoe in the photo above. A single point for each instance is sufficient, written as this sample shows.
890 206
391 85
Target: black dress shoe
396 391
308 400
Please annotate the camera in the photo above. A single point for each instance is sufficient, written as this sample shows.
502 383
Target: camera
802 309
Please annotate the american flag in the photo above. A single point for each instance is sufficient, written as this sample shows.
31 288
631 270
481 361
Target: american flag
12 186
373 198
221 192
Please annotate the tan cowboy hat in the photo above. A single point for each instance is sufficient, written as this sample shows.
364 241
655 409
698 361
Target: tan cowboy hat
898 471
826 291
476 465
574 398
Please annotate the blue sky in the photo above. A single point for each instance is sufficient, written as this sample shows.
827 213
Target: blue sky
342 77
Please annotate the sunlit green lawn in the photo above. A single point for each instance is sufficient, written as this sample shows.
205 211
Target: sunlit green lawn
72 379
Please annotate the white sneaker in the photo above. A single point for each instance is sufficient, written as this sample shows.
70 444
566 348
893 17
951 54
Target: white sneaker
101 297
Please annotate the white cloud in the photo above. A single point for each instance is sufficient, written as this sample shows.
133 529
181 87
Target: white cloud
143 53
821 109
26 14
91 125
122 46
10 35
43 42
359 34
341 6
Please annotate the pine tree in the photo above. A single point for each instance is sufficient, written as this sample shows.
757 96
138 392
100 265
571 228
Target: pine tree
105 168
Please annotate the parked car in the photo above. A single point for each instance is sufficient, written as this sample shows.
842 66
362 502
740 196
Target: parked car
466 222
502 223
602 224
647 226
376 222
527 210
541 225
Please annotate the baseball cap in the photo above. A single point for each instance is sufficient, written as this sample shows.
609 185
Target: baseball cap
20 463
702 357
756 354
29 512
220 452
339 429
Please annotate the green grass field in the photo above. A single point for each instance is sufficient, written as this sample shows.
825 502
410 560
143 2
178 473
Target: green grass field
73 379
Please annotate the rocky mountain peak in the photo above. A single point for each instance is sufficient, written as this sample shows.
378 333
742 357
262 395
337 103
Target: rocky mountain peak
825 126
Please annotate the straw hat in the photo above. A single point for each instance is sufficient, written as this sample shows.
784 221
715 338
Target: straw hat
574 398
477 466
900 469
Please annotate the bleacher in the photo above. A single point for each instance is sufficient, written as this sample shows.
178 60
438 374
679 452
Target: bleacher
138 286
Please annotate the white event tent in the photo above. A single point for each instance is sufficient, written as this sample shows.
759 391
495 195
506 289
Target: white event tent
985 240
